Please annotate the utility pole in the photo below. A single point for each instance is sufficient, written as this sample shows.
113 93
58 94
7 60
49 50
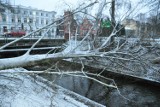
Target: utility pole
113 12
112 21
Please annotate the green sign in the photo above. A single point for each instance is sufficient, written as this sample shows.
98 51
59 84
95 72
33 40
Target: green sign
106 24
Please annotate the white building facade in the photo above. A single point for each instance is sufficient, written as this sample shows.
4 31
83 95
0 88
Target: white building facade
25 18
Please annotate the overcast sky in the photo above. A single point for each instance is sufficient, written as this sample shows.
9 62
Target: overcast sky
50 5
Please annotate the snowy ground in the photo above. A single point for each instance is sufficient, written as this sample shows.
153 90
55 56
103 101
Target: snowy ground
22 90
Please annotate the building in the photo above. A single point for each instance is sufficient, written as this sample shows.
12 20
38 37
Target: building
25 18
85 26
137 28
70 24
66 25
131 27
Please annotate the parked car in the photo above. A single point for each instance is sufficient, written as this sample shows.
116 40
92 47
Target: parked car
15 33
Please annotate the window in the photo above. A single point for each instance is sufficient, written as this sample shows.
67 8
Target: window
41 14
46 22
30 13
25 12
12 11
46 14
52 30
37 13
25 20
30 20
18 11
42 21
5 29
4 18
13 19
37 20
12 28
19 20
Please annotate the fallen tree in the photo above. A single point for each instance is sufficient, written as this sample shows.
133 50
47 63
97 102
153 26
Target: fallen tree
121 54
111 52
124 53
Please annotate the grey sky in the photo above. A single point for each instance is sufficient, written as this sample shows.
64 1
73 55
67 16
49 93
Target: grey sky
54 5
49 5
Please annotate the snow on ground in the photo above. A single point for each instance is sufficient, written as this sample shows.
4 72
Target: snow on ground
22 90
